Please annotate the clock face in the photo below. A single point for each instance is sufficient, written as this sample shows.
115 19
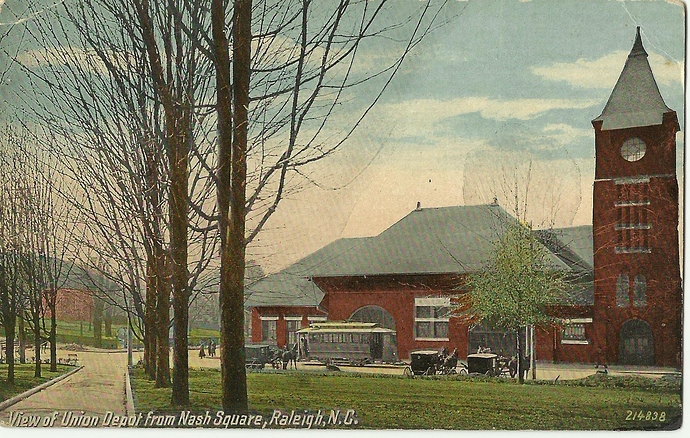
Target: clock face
633 149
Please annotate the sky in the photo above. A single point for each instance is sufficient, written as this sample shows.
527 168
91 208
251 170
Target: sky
506 86
503 88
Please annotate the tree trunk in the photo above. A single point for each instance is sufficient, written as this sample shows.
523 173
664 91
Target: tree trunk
150 319
520 362
37 343
22 341
9 348
162 321
178 251
97 321
232 163
53 331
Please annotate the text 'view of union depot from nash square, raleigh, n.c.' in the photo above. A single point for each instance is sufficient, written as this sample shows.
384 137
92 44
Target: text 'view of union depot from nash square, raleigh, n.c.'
390 214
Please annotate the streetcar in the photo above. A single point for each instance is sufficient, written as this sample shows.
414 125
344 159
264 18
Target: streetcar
347 343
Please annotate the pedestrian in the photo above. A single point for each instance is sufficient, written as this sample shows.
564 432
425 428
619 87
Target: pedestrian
202 353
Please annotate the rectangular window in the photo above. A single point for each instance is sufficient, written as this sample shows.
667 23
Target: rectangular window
573 331
292 325
632 226
431 318
268 330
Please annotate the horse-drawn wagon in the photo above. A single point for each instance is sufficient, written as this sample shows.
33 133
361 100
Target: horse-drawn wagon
256 356
490 364
431 362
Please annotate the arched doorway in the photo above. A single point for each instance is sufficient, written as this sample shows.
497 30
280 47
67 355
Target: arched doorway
375 314
636 343
383 345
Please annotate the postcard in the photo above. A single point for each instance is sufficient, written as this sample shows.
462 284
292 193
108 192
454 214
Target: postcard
334 215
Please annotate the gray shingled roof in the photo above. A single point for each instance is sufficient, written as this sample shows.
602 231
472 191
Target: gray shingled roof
455 239
635 99
575 246
293 286
427 241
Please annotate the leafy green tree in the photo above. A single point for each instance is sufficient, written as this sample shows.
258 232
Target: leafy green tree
518 285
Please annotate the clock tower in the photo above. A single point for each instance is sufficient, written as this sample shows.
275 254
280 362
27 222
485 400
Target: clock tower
637 288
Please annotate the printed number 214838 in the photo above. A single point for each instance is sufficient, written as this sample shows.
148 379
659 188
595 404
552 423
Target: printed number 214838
645 416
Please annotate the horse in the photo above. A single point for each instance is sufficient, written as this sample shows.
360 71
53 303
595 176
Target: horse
450 362
290 355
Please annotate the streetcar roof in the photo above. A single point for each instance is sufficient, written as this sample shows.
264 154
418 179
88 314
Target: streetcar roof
345 330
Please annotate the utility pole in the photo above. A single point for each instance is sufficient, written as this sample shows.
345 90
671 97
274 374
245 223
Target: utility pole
533 353
129 341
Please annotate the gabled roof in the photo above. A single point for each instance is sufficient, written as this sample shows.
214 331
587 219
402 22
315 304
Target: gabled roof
293 286
427 241
456 239
575 247
635 99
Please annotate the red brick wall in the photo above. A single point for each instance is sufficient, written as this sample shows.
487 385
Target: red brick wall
661 266
72 305
281 323
396 295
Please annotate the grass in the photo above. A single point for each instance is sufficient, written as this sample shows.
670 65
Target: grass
76 332
392 402
24 378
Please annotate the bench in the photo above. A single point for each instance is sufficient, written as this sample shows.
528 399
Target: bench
72 358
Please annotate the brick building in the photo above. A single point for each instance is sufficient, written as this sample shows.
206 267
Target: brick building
626 307
637 292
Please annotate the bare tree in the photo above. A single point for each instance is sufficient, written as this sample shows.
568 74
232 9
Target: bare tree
136 73
11 299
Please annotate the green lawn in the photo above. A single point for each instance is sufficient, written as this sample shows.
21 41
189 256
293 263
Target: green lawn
384 402
24 378
76 332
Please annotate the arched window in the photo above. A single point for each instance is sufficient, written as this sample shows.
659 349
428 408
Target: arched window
374 314
622 285
640 291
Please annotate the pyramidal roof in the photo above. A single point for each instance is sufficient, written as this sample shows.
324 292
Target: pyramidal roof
635 100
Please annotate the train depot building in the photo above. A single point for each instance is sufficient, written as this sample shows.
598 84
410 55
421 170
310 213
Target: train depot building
626 303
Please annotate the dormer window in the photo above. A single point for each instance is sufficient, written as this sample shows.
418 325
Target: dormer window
633 149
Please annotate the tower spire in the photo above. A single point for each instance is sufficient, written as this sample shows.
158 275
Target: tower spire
638 48
635 100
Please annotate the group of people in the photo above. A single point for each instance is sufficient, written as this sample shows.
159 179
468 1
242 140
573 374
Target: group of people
211 349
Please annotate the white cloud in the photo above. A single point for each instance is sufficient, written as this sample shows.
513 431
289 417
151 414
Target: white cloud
603 72
566 134
86 60
429 111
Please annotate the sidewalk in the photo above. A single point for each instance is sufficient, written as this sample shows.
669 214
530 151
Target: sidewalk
95 390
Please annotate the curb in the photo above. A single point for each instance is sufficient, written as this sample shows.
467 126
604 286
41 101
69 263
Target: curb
17 398
129 396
